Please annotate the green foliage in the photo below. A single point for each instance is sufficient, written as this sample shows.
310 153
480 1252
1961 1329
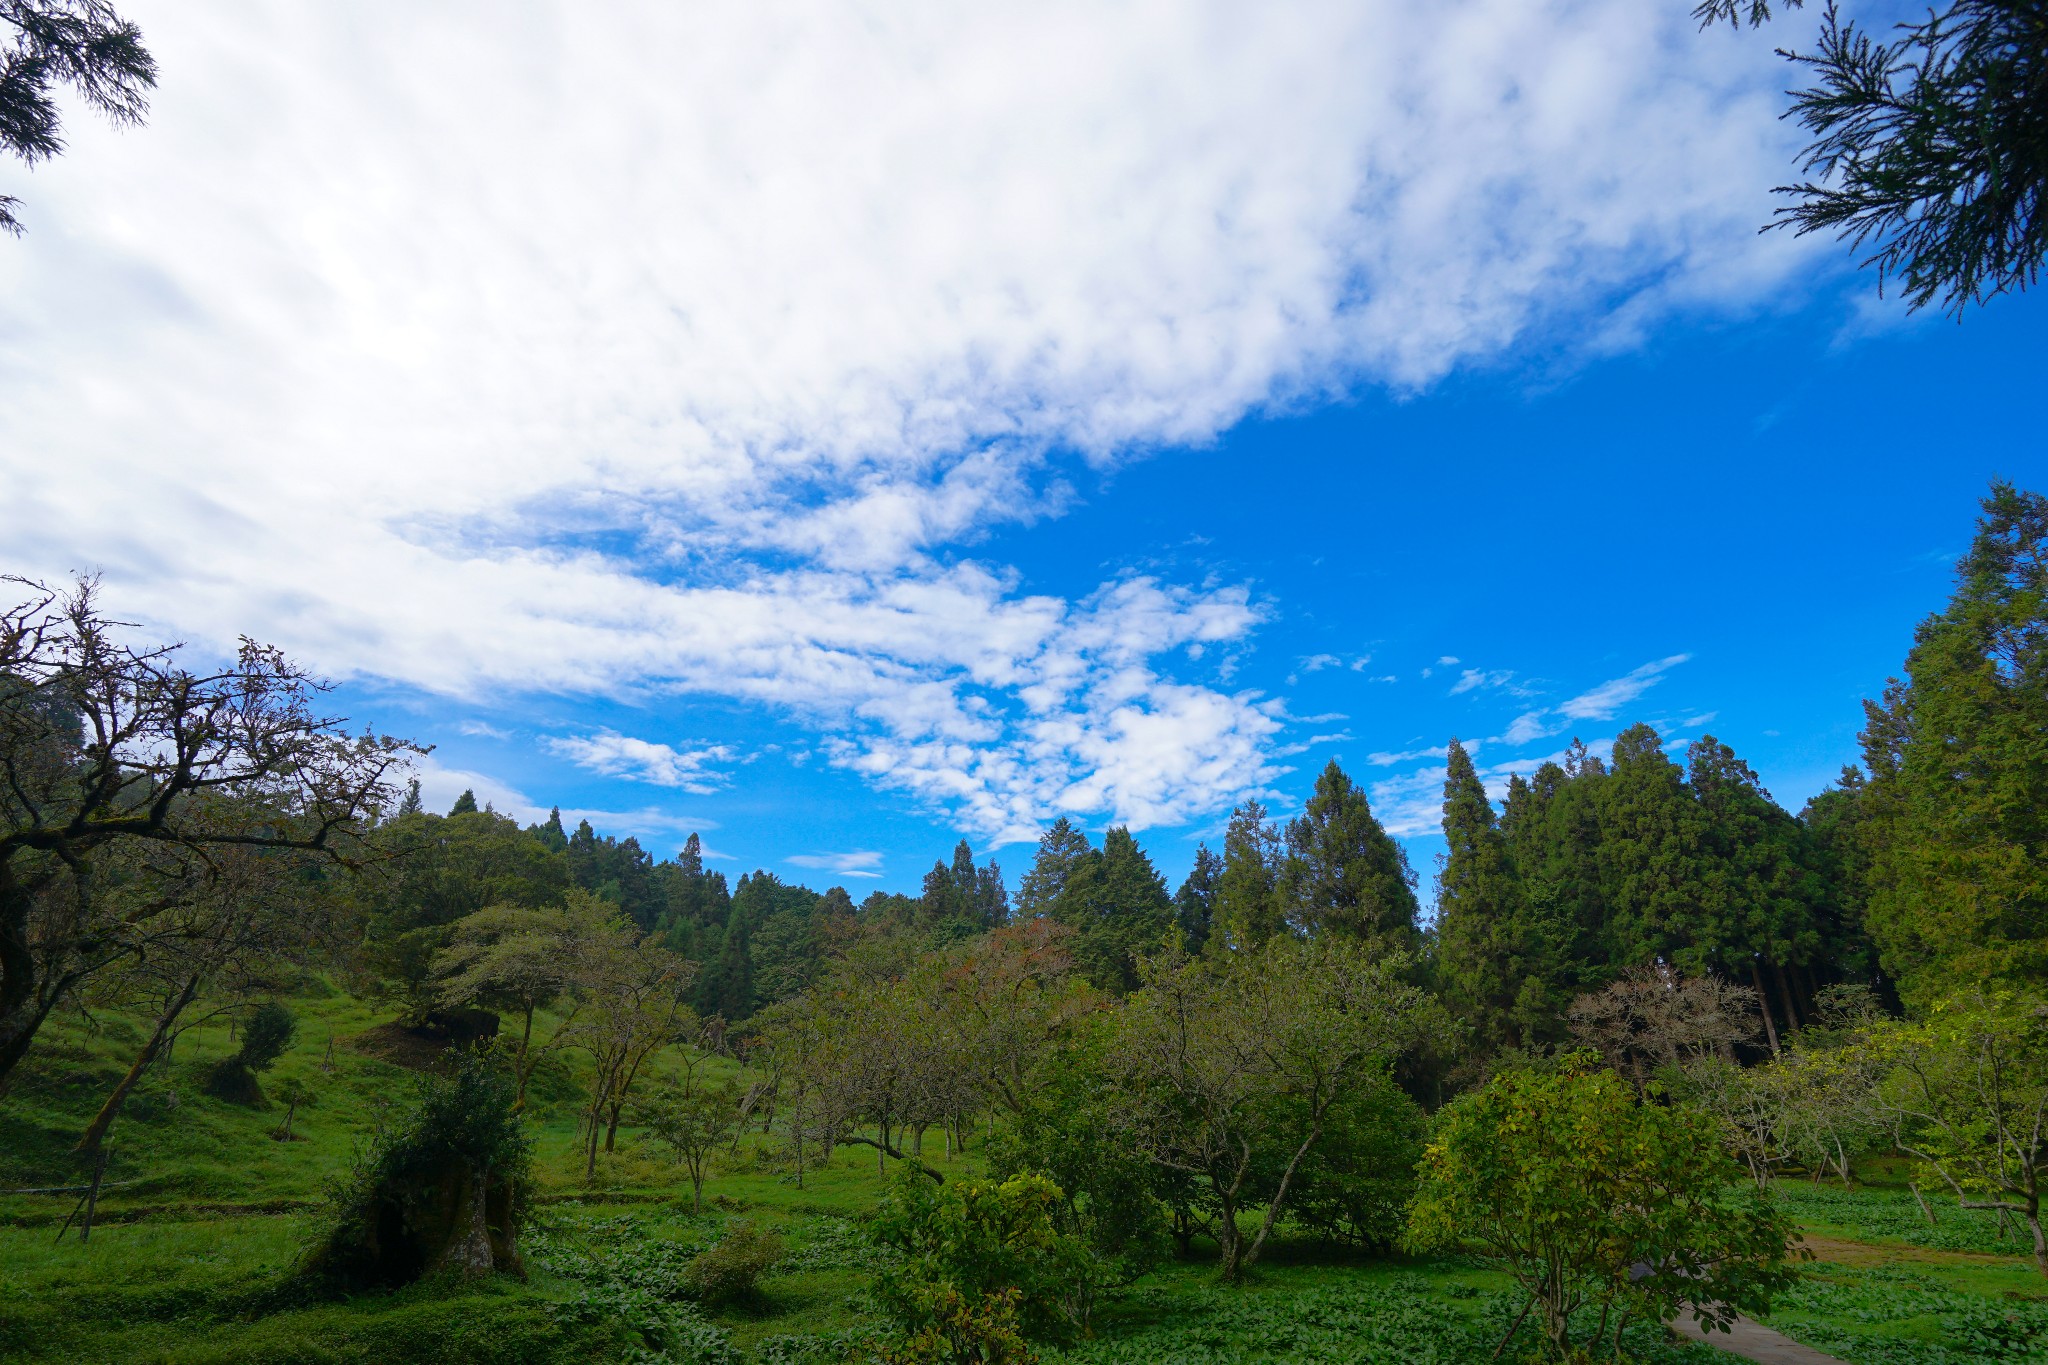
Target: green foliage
728 1273
1388 1319
1889 1316
977 1256
1931 145
1598 1203
1116 903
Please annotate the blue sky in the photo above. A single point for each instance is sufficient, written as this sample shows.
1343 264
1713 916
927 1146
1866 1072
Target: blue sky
838 430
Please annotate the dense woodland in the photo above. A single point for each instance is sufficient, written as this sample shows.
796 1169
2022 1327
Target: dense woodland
1643 986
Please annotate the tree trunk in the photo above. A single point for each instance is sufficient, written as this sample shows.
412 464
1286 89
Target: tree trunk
96 1131
468 1252
1785 994
2040 1244
1231 1239
522 1067
1763 1003
1925 1212
1280 1195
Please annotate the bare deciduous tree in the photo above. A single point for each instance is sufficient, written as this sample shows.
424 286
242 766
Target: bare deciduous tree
106 746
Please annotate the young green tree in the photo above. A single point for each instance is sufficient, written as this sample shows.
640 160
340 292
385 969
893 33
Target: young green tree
294 1094
1958 760
520 959
1930 144
1344 873
1966 1091
1602 1207
693 1120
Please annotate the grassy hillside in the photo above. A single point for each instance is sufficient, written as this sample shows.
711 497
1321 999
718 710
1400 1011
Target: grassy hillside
204 1215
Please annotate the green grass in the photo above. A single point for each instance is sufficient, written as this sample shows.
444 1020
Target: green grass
206 1215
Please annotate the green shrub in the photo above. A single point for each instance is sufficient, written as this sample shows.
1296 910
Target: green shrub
266 1037
728 1273
977 1256
445 1188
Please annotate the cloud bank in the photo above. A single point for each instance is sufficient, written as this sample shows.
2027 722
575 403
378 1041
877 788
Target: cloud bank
477 346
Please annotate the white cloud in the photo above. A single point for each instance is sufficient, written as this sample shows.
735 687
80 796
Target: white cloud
482 730
863 864
1388 760
640 760
1600 703
1449 661
488 346
1530 725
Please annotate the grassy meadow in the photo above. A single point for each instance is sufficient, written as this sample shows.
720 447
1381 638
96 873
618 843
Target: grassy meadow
205 1213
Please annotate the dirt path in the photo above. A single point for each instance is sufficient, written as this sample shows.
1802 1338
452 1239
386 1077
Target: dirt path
1754 1341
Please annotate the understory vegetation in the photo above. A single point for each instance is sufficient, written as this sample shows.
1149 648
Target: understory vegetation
292 1069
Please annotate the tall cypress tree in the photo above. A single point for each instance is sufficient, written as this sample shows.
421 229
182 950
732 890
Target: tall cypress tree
1479 954
1248 906
1958 759
1343 872
1649 851
1758 885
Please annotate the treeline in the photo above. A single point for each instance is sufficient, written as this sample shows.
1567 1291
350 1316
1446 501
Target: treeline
756 941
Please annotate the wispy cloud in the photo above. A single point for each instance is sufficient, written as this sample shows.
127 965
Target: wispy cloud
1473 679
482 730
639 760
1600 703
863 864
441 785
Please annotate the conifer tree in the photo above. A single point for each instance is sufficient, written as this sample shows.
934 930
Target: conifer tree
1755 916
1343 872
465 804
1060 850
410 805
1479 953
1194 905
1649 851
1958 758
1119 908
1248 906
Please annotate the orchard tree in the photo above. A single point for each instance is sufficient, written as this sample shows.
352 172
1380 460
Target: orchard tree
1930 144
1228 1071
1598 1203
1967 1095
515 958
111 752
632 1000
